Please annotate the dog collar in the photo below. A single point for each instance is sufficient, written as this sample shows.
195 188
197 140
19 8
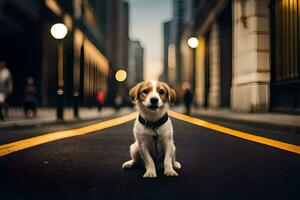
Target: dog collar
154 124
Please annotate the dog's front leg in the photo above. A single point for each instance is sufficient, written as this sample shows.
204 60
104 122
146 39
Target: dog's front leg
168 162
149 164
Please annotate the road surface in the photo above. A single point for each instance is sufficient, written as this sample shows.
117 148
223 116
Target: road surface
215 165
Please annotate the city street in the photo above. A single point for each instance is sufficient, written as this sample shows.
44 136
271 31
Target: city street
86 163
72 71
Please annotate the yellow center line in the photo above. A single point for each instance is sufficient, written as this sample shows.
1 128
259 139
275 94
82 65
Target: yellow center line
35 141
239 134
50 137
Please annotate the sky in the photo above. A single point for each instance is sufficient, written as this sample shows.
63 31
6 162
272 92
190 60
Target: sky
146 25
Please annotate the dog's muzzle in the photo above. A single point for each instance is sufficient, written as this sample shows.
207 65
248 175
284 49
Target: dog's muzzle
153 103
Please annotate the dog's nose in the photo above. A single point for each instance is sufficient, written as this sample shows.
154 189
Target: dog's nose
154 100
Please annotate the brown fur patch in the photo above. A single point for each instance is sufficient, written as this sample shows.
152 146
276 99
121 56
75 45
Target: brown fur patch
140 91
162 90
144 90
168 95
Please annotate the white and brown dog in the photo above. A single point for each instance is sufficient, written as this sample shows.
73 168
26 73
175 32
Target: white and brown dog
153 127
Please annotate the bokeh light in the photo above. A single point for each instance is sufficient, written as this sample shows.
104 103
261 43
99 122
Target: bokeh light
59 31
121 75
193 42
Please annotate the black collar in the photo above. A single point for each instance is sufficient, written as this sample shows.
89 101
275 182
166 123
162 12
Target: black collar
154 124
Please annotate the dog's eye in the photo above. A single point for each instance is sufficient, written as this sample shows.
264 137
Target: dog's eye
145 91
161 91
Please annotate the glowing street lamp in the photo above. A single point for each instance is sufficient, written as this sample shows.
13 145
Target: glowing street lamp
59 32
193 42
121 75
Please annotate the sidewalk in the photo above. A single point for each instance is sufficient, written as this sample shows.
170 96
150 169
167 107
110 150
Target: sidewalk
276 119
48 115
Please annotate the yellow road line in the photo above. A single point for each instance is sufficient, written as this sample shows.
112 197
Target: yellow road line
239 134
34 141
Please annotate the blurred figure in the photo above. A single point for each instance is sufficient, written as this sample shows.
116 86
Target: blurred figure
118 101
6 88
100 97
30 98
187 98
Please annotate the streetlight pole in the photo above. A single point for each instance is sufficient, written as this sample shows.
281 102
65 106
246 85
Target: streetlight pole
193 44
59 32
60 81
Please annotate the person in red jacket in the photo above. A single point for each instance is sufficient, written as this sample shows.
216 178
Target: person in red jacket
100 97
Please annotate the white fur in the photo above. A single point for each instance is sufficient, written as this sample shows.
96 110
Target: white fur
144 142
152 94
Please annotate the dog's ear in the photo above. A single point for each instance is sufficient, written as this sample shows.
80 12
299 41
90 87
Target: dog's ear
133 93
171 95
171 92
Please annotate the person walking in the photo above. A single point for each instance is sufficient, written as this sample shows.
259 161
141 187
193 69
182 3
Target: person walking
118 101
100 97
188 99
6 88
30 98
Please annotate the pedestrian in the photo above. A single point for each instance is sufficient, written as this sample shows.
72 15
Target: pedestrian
6 88
118 101
188 99
30 98
100 97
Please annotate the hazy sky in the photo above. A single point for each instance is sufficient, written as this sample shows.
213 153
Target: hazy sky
146 18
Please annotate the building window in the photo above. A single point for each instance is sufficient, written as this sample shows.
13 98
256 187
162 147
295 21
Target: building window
285 84
286 35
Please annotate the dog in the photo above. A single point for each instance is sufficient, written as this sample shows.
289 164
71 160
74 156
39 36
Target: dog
153 127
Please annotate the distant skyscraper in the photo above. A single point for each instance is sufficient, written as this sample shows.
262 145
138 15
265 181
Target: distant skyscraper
167 26
136 63
125 34
117 24
178 25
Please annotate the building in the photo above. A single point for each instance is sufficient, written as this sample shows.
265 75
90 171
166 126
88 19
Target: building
178 65
248 54
90 59
213 58
117 43
177 27
167 42
89 47
136 63
187 72
125 34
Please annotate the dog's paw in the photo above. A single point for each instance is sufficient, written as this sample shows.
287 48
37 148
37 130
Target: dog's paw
150 174
170 173
177 165
128 164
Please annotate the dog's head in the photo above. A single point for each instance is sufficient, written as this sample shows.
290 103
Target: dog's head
153 95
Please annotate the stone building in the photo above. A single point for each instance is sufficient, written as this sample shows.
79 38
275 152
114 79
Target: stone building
248 54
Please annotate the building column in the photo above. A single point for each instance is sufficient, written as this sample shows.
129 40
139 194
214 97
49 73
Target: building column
251 57
200 72
214 65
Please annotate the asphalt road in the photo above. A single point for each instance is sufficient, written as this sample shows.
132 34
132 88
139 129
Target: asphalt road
214 166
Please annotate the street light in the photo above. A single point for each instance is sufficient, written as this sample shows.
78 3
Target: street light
121 75
193 42
59 32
